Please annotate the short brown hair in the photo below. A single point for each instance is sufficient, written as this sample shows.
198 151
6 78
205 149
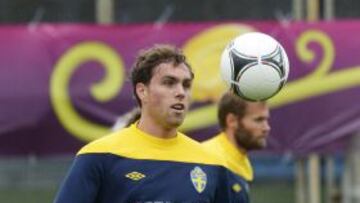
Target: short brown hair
230 103
147 60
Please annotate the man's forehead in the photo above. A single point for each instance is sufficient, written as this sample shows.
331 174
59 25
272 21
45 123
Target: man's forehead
180 71
256 107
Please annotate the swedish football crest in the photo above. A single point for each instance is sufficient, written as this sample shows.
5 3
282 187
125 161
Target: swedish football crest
198 178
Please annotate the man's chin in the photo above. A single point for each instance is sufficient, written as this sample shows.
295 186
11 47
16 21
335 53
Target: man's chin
261 145
257 145
176 122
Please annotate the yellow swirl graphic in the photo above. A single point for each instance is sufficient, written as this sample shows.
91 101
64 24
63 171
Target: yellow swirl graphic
103 91
307 55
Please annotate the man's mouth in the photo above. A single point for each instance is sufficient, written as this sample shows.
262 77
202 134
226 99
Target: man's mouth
178 107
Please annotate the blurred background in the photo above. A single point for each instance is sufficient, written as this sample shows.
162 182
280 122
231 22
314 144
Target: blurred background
63 69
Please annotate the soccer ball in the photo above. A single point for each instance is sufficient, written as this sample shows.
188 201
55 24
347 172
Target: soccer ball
255 66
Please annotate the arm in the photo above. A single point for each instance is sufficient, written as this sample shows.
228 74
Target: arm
232 188
239 188
82 183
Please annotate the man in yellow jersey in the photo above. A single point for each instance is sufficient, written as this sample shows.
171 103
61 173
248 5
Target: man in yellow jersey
244 126
151 161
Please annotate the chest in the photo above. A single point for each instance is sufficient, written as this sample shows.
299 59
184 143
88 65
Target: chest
159 181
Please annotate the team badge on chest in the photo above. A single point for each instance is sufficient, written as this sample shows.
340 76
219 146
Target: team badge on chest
198 178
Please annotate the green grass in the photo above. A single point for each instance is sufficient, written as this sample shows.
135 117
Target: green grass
27 195
272 192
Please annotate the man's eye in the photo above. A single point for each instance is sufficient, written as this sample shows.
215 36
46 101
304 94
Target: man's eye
169 82
187 85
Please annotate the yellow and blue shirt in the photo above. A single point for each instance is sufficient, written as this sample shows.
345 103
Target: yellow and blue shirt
237 160
133 166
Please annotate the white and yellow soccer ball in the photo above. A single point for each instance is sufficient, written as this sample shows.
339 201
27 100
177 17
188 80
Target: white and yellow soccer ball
255 66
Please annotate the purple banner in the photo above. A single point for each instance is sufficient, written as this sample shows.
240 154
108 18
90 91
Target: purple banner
64 85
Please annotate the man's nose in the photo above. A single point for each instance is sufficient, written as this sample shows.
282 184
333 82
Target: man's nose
267 126
180 91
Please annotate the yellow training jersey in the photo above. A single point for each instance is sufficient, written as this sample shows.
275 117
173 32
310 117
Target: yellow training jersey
237 160
133 166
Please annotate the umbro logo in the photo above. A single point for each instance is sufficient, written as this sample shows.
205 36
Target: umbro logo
236 187
135 175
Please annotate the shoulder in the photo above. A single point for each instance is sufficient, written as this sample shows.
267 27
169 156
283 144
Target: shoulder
105 144
195 150
212 146
212 142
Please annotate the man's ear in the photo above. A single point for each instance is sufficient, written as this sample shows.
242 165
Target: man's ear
141 91
231 121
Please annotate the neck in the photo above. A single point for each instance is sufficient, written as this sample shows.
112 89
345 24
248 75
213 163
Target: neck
153 128
231 137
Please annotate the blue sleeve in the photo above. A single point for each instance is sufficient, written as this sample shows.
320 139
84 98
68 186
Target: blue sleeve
232 188
239 188
82 183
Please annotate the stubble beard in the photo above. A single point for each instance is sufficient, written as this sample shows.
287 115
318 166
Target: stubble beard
174 120
245 140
